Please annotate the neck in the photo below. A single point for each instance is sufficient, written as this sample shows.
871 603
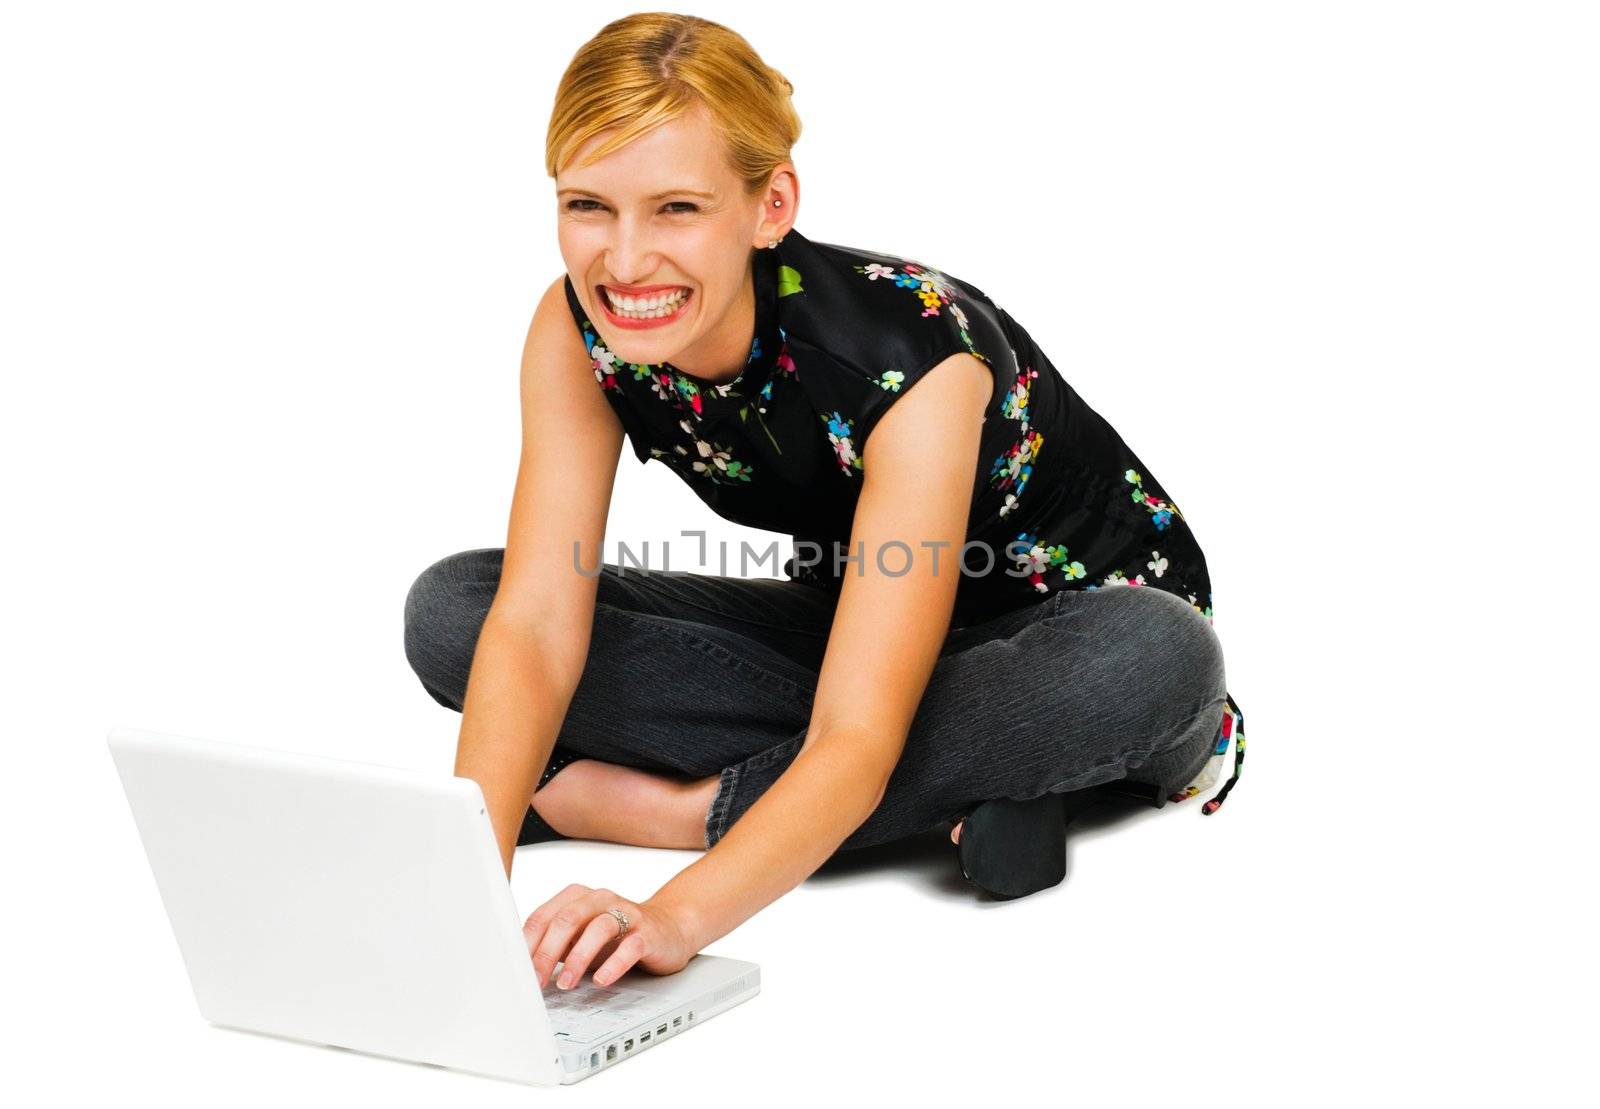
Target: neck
721 356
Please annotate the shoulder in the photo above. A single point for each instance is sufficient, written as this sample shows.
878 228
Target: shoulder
943 415
551 327
957 385
884 322
567 314
863 305
887 317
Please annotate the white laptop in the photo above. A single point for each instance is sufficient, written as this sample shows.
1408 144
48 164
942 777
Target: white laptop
366 907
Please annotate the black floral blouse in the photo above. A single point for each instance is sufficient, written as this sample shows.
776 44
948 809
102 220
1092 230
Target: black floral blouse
1059 501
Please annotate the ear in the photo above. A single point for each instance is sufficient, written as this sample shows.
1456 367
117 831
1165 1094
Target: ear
780 203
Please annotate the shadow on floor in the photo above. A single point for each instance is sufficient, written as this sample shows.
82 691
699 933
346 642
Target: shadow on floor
930 860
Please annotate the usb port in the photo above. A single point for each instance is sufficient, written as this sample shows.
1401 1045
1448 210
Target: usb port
676 1021
644 1039
662 1031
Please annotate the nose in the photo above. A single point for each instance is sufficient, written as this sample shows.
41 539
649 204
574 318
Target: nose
630 255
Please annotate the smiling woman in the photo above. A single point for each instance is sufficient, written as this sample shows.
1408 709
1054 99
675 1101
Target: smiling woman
999 614
656 236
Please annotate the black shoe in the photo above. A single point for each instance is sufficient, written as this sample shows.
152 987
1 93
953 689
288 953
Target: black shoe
1010 849
534 828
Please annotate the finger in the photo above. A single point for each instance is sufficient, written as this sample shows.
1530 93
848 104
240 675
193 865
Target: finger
535 928
628 952
602 930
540 917
569 919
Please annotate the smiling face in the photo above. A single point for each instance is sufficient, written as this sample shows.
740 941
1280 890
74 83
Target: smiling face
666 226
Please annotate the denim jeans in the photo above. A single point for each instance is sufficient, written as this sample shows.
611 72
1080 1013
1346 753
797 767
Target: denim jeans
693 675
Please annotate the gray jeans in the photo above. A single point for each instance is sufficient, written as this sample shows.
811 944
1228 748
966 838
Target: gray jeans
691 675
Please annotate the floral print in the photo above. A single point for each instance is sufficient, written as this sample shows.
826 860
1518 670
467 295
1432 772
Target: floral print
1231 730
933 289
1037 558
1117 577
668 384
783 365
715 461
840 430
1010 472
841 334
1161 511
788 281
603 361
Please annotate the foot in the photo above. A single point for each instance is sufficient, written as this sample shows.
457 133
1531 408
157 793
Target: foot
1018 848
1071 811
590 799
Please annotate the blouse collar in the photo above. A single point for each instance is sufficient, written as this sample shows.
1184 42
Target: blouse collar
764 342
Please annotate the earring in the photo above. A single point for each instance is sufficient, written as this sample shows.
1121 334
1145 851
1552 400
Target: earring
773 244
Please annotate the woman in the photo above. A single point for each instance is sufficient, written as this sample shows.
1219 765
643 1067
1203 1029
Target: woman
948 647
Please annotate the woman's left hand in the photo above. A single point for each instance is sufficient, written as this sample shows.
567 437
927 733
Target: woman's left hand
574 927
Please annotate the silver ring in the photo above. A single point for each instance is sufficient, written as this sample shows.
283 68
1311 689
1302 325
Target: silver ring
622 920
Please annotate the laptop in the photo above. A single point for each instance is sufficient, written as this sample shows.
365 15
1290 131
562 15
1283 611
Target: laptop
366 907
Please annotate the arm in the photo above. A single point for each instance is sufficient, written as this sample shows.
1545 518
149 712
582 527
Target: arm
535 638
886 636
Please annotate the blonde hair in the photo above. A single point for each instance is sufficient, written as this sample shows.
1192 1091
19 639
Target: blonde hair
651 67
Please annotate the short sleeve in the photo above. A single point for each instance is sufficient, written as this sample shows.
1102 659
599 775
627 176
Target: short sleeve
924 316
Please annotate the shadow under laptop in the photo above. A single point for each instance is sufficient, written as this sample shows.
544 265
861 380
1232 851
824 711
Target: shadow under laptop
930 858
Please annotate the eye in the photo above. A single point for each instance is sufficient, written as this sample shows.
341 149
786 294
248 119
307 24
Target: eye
579 204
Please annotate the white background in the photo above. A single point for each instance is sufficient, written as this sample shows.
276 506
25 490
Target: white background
1331 271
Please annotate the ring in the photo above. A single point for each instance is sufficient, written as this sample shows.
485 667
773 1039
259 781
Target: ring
622 921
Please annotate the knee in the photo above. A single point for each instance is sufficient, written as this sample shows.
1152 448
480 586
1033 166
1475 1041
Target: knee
441 609
1183 658
1182 645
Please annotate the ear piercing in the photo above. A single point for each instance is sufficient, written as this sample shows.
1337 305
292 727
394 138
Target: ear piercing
773 244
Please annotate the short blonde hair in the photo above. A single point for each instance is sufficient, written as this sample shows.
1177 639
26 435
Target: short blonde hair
648 68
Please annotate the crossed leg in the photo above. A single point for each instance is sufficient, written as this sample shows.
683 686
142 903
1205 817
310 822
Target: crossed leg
693 678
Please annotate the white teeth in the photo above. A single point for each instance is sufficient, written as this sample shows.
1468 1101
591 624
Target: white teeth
646 308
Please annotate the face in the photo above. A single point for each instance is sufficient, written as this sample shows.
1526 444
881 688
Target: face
665 222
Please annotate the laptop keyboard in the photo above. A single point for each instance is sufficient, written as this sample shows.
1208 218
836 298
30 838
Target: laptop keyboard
588 1013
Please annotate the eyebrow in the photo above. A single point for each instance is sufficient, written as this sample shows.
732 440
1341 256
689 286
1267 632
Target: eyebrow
657 196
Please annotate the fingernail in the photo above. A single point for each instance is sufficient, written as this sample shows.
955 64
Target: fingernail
566 980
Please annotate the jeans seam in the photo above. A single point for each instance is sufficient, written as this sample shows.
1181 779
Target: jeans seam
721 614
675 600
717 815
722 804
722 655
1129 755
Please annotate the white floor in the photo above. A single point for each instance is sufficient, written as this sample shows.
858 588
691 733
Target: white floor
1298 940
265 279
